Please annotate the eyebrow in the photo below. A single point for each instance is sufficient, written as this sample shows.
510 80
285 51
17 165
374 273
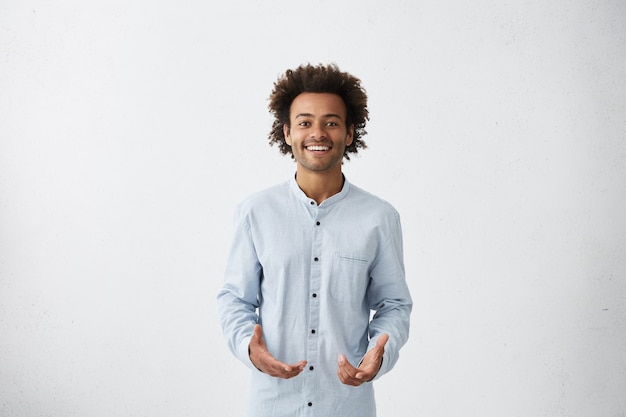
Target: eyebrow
326 116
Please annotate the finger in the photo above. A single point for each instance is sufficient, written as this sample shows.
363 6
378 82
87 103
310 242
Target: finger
364 374
283 370
298 367
349 380
300 364
275 367
293 368
347 373
344 368
345 365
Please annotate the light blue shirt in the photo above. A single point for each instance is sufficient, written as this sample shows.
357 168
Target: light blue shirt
310 275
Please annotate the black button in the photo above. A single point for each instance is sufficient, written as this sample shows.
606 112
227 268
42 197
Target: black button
310 404
311 368
316 259
314 295
318 223
313 331
312 203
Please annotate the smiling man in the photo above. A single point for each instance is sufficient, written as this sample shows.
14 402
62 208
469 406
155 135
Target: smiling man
311 260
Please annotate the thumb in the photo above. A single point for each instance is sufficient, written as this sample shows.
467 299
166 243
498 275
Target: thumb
382 341
258 332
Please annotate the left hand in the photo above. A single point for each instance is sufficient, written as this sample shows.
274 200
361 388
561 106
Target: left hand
368 368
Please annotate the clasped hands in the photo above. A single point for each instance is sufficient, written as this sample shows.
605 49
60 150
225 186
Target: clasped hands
348 374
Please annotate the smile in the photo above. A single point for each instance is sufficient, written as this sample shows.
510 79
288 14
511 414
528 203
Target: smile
318 148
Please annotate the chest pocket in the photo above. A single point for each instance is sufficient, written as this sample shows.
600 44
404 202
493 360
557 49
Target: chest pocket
350 277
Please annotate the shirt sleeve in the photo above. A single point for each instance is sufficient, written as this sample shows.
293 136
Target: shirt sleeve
237 301
389 297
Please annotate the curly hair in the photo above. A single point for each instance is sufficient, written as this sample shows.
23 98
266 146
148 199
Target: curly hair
318 79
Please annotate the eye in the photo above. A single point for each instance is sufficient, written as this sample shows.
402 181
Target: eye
332 124
304 124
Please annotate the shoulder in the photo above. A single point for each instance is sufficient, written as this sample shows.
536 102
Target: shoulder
264 199
371 202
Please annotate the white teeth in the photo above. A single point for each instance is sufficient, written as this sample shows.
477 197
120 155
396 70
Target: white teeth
318 148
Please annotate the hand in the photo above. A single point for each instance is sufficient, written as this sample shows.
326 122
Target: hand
368 368
266 363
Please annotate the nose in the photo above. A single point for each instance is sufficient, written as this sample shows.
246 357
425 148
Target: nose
318 131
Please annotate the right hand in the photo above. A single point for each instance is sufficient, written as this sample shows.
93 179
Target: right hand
266 363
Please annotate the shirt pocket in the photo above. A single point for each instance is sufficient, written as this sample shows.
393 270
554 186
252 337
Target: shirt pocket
350 277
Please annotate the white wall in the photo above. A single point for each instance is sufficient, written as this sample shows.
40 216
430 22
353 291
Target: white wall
129 129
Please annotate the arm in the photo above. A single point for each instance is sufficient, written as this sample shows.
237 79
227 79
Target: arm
389 296
238 304
237 301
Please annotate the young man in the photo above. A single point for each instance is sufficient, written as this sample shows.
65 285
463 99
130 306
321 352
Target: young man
311 258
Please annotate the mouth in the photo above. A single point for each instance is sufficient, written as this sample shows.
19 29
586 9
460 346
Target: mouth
317 148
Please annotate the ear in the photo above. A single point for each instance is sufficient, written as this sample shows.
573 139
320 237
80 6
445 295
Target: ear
286 132
350 135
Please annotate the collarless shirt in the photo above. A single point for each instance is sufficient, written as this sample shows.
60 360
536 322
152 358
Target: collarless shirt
312 276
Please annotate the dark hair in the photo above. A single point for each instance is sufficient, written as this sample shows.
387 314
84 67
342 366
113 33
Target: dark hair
318 79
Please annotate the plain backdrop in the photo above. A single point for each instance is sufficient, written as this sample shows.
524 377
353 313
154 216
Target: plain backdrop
130 129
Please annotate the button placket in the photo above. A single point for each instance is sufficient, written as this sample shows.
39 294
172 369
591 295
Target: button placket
316 263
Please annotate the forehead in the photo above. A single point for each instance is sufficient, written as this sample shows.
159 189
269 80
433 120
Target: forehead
318 104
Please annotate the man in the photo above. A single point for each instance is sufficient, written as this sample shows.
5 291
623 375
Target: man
311 259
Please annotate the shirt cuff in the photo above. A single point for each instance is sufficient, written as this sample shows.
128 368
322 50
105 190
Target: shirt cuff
244 353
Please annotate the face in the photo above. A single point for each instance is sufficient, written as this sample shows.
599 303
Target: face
317 131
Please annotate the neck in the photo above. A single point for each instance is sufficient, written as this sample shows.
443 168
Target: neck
319 185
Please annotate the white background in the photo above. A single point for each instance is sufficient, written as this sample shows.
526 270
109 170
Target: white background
129 130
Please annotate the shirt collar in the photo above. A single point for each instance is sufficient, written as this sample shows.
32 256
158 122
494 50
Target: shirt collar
297 191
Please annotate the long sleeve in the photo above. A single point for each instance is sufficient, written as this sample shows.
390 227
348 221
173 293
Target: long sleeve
389 297
238 300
